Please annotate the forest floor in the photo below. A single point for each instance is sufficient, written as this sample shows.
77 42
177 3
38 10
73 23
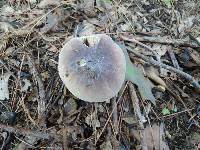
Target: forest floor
38 112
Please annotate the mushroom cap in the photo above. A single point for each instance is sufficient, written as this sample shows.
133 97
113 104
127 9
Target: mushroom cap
92 67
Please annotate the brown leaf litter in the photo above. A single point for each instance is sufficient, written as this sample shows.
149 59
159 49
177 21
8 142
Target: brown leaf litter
38 112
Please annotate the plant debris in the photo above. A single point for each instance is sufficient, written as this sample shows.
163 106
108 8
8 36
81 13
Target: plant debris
158 104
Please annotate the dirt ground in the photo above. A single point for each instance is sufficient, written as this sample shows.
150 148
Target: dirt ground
162 38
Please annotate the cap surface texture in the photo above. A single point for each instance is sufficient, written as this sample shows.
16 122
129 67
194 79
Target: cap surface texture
92 67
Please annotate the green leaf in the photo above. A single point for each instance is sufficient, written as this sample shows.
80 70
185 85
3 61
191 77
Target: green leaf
165 111
168 3
136 76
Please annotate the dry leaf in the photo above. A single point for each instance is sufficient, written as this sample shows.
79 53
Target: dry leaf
88 8
9 51
28 139
45 3
70 106
4 92
3 44
167 74
195 56
151 73
7 10
130 120
106 146
85 28
105 4
92 121
52 21
32 1
194 140
136 76
5 26
185 24
26 85
154 137
160 49
53 48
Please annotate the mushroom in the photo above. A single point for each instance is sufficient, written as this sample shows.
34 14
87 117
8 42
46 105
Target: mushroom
92 67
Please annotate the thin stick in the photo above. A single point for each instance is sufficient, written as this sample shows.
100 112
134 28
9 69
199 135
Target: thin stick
162 40
135 103
109 117
143 45
173 59
64 138
115 116
21 131
23 142
188 77
175 114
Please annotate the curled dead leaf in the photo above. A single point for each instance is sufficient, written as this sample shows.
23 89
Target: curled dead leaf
151 73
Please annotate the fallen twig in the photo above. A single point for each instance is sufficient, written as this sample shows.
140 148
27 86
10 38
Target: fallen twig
188 77
21 131
136 107
115 123
175 114
143 45
109 117
115 116
65 144
173 58
162 40
26 110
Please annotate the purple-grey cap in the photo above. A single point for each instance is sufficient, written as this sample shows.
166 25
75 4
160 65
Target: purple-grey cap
92 67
